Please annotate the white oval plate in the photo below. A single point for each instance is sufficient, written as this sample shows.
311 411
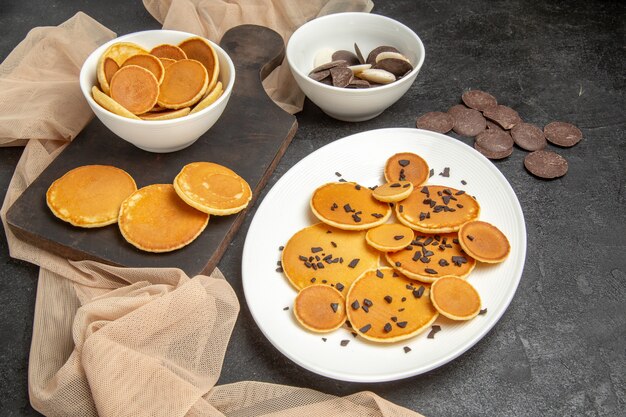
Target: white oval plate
361 158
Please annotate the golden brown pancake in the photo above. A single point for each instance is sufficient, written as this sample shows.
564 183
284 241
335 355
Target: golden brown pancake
389 237
437 209
201 50
407 166
455 298
91 195
165 114
430 257
184 83
384 306
321 254
348 206
210 98
167 62
212 188
155 219
320 308
392 192
149 62
109 104
110 68
118 53
484 242
135 88
168 51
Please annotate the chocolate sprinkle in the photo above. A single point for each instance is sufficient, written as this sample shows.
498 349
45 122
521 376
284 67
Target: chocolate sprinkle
365 328
470 237
356 218
377 215
387 327
366 309
355 305
316 249
347 208
436 328
398 237
398 264
483 311
388 298
406 349
353 263
281 247
285 308
313 279
342 180
404 162
418 292
443 262
445 173
339 286
334 244
338 174
303 258
324 339
334 306
367 302
463 182
344 342
379 274
279 269
402 324
430 271
400 208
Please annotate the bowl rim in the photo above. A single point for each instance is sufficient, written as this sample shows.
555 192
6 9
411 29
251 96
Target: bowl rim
86 90
358 91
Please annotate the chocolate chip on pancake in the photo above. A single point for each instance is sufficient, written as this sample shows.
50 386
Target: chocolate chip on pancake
494 144
562 134
343 55
528 137
341 76
479 100
371 58
435 121
546 164
504 116
468 122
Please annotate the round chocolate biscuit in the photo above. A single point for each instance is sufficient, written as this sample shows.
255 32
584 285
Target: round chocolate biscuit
528 137
436 121
371 58
494 144
479 100
504 116
343 55
562 134
468 122
546 164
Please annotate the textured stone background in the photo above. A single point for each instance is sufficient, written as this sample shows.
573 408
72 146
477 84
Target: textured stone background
559 348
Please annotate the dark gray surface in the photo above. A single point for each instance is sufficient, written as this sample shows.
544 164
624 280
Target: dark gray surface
559 348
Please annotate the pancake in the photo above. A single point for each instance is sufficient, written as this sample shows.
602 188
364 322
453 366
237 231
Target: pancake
430 257
111 105
348 206
167 62
184 83
118 53
155 219
202 51
110 68
407 166
90 196
389 237
437 209
392 192
210 98
484 242
212 188
343 256
455 298
149 62
165 114
320 308
168 51
135 88
384 306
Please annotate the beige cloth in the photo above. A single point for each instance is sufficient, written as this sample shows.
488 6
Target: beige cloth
115 341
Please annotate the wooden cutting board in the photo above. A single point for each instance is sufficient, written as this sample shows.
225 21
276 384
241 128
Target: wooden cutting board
250 138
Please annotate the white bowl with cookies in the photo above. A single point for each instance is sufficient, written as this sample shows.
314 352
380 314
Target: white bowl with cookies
387 62
159 89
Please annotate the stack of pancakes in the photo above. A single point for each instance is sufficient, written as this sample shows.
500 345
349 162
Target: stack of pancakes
155 218
431 248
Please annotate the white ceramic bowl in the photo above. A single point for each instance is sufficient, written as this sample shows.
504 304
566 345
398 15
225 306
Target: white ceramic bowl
158 135
341 31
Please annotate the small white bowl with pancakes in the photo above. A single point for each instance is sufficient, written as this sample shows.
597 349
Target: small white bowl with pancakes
119 94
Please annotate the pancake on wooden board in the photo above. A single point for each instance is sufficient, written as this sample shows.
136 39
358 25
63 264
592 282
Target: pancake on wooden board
385 306
321 254
430 257
437 209
212 188
155 219
90 195
320 308
348 206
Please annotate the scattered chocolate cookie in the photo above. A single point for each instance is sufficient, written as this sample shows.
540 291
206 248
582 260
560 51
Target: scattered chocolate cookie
562 134
494 144
528 137
436 121
504 116
468 122
479 100
546 164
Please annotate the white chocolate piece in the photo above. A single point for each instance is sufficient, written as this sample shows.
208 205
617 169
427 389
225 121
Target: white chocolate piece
324 56
378 76
359 68
386 55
